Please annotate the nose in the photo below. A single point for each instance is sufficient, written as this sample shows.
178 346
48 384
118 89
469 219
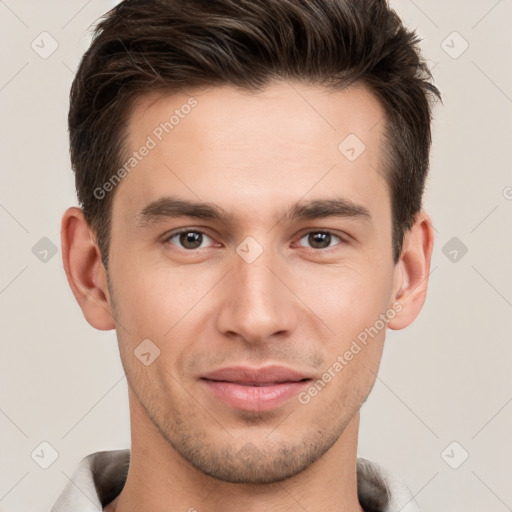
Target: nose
256 303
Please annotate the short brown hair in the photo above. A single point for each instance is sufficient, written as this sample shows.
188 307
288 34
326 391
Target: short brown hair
173 45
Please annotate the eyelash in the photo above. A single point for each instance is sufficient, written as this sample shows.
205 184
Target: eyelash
323 231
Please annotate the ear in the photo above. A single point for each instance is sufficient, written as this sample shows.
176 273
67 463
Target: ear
412 271
84 269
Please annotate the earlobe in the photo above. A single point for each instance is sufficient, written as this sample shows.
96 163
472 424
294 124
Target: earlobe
412 271
84 269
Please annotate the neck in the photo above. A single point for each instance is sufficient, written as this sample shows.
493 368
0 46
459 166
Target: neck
159 479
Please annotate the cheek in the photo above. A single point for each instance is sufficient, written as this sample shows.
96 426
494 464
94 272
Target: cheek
151 300
347 298
350 301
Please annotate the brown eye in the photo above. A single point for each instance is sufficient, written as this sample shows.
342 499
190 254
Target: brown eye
188 239
320 239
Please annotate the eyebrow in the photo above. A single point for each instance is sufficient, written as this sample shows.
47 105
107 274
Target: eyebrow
173 207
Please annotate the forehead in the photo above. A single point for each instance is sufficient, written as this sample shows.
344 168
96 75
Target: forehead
251 147
290 110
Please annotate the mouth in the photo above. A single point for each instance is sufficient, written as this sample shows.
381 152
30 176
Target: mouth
257 384
255 389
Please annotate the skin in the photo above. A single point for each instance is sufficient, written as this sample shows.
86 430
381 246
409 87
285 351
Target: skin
298 304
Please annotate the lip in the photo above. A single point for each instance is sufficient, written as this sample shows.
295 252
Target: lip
255 389
265 374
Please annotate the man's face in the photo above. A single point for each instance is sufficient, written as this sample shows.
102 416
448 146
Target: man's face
289 295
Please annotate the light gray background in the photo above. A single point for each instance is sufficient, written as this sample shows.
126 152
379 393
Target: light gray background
446 378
